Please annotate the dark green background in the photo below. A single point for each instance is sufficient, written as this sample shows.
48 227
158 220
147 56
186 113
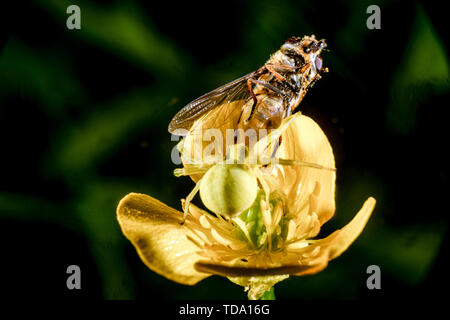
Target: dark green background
84 115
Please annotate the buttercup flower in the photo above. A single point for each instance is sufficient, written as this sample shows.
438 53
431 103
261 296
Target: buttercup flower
269 241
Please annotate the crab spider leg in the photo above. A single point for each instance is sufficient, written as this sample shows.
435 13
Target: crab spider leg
187 171
288 162
189 198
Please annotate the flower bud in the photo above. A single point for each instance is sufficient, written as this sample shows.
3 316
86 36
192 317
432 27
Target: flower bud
227 189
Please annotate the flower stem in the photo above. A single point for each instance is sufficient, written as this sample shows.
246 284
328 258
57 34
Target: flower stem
269 294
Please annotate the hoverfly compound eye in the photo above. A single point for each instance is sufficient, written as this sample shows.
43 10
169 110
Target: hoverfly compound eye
318 63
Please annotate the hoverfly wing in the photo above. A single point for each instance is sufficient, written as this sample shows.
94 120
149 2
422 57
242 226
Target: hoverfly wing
232 91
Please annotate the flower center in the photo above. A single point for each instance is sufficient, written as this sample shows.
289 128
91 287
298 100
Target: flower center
264 225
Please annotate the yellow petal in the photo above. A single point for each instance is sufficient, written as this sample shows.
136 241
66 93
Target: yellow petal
316 266
303 140
340 240
238 270
155 231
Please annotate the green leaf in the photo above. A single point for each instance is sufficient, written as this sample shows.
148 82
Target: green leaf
424 70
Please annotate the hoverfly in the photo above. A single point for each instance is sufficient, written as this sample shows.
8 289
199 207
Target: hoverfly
262 98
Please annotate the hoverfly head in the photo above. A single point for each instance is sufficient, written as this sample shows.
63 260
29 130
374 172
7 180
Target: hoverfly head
307 49
310 48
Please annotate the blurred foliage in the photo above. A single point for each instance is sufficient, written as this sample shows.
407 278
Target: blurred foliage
84 117
424 68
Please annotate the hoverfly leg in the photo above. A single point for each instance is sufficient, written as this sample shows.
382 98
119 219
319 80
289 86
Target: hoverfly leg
236 136
188 200
271 69
276 147
288 111
268 86
240 117
275 70
280 67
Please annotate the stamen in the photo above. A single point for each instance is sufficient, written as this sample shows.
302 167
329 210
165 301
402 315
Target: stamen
278 230
291 230
219 238
244 229
250 225
277 214
202 236
313 253
299 190
238 246
265 213
315 225
297 246
194 242
204 222
262 239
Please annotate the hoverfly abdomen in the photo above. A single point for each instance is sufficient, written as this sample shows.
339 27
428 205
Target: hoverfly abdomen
269 114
